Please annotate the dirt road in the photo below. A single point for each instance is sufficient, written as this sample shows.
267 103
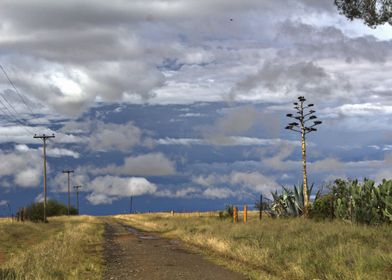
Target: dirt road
132 254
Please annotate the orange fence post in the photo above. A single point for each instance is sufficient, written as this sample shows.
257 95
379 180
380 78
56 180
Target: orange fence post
245 213
235 214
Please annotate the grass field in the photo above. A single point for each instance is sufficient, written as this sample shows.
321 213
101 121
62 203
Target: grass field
282 248
65 248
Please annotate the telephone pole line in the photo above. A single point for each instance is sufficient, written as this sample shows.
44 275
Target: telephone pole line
77 197
130 205
44 139
69 188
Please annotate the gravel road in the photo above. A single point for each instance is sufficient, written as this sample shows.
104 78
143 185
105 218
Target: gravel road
132 254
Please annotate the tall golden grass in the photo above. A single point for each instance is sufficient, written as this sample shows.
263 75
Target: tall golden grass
294 248
65 248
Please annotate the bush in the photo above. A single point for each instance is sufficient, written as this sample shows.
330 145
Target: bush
322 207
35 211
228 213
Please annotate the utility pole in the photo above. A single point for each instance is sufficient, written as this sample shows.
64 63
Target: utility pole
69 188
130 205
77 197
261 207
303 117
44 139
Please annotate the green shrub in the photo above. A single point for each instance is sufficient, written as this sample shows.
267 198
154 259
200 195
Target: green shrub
322 207
227 213
35 211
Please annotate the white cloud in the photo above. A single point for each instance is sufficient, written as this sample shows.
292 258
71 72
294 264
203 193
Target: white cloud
106 189
358 110
179 141
220 193
40 198
60 152
239 182
188 192
20 134
3 202
254 181
52 152
229 141
28 177
25 167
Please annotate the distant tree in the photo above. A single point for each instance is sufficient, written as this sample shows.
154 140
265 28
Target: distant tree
34 212
372 12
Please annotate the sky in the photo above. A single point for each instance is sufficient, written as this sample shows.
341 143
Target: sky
181 104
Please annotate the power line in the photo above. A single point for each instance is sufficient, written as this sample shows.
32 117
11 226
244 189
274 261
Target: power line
16 90
9 110
13 118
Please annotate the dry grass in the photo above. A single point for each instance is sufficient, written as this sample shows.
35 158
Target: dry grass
65 248
283 248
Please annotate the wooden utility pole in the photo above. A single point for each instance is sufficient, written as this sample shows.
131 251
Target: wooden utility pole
130 205
44 139
261 207
69 189
77 197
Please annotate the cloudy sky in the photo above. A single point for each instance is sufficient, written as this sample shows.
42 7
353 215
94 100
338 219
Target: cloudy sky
181 103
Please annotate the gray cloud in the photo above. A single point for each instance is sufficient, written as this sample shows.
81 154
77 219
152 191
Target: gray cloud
311 42
107 136
235 122
277 79
154 164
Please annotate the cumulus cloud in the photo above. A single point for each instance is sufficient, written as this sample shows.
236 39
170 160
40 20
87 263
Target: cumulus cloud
329 42
106 189
357 110
109 136
254 181
52 152
21 134
84 51
154 164
239 181
24 167
3 202
59 182
218 193
187 192
231 141
279 79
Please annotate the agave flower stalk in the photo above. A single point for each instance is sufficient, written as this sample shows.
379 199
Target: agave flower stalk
302 116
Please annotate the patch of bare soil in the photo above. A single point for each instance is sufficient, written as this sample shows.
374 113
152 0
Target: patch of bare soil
132 254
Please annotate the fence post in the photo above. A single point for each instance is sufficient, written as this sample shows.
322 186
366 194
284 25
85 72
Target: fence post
245 213
25 214
235 214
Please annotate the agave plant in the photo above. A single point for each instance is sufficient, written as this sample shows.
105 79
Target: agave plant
291 202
